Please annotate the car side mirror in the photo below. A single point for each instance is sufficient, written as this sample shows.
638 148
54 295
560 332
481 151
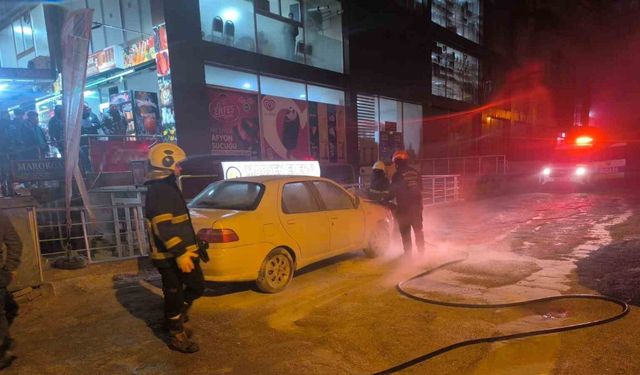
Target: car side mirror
356 201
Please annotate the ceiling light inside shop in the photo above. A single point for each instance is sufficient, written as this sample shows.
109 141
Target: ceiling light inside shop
230 14
90 93
302 96
3 86
246 85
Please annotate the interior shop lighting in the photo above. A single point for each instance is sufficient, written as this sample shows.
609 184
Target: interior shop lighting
230 14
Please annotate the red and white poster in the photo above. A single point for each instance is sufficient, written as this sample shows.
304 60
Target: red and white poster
285 130
116 155
327 132
234 123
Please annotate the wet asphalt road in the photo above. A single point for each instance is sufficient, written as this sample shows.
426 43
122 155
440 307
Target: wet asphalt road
344 316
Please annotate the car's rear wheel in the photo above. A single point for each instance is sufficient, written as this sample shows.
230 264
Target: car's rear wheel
379 241
276 271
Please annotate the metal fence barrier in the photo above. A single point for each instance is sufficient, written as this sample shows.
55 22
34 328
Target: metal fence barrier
465 166
438 189
117 233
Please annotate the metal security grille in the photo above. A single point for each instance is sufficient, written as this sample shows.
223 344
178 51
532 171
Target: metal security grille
367 127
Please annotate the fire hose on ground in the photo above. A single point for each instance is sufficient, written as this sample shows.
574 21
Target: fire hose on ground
624 310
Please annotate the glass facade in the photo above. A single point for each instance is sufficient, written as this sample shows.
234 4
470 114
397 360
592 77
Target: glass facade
229 22
455 75
463 17
307 32
23 42
375 113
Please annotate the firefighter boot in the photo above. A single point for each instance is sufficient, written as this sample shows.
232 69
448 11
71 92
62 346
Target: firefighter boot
185 319
180 341
6 358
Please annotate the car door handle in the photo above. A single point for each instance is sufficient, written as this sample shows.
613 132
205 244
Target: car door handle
291 222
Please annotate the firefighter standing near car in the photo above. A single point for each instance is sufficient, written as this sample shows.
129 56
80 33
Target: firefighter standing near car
379 186
406 188
174 248
8 306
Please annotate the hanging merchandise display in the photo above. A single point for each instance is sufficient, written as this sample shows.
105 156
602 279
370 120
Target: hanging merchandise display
234 124
146 112
121 103
285 129
327 132
165 93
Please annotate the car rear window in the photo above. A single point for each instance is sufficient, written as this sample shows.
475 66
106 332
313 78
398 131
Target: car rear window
228 195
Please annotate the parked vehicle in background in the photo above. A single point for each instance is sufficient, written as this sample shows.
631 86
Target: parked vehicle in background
264 228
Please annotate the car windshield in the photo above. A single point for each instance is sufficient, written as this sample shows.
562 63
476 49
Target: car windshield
229 195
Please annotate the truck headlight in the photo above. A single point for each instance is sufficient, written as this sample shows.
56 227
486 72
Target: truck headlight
546 171
581 171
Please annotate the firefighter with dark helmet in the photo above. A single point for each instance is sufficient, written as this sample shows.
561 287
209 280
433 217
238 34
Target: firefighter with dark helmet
174 248
406 188
379 186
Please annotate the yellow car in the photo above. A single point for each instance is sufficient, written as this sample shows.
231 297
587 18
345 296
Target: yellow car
264 228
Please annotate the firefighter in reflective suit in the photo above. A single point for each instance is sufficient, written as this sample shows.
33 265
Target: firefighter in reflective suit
406 188
174 248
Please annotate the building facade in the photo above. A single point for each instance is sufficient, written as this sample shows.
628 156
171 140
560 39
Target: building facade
329 80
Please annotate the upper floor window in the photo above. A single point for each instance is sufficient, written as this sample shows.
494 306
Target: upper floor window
455 75
23 41
463 17
307 32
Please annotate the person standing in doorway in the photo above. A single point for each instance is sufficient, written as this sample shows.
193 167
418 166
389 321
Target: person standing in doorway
291 32
406 188
56 129
40 147
8 306
174 247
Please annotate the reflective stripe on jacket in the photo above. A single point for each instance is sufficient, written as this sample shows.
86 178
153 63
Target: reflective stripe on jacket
168 223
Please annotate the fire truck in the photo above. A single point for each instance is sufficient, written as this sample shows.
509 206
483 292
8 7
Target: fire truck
584 156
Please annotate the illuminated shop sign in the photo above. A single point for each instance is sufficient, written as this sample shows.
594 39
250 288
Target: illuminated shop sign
270 168
104 60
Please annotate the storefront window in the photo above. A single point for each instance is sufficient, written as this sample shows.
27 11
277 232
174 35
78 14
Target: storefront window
228 22
307 32
323 34
455 75
295 120
282 88
463 17
23 42
376 115
325 95
217 76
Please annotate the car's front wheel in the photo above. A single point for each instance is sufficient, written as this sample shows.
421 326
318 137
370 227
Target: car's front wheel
276 271
379 241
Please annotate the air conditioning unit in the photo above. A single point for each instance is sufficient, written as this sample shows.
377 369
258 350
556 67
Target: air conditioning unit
40 62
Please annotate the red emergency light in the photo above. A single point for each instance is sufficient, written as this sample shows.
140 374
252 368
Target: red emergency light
584 141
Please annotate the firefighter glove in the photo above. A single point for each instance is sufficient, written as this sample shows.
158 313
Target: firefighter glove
185 261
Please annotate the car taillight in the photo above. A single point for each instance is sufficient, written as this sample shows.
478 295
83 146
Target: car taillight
217 235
